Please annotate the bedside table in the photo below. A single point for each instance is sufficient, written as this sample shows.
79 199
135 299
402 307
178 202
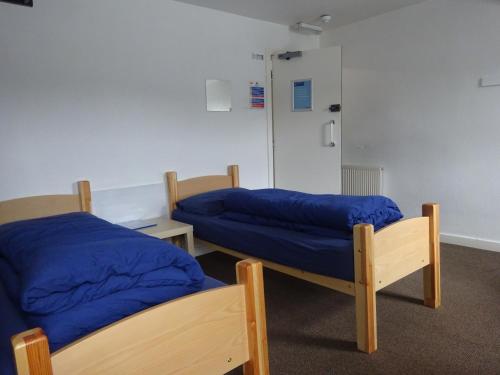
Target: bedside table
163 228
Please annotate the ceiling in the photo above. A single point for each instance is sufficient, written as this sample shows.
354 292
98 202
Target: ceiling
289 12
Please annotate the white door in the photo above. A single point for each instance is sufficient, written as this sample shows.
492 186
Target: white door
307 141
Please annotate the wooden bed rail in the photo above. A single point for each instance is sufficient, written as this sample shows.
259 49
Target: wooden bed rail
387 256
250 274
46 205
432 272
31 353
211 332
85 196
178 190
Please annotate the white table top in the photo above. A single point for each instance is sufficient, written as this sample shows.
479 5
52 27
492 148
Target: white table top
160 227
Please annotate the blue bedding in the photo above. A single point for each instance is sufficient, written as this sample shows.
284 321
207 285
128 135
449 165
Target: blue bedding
305 231
324 255
297 227
72 274
13 321
66 260
339 212
210 203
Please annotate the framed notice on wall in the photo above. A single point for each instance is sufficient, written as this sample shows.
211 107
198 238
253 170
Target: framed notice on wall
257 96
302 99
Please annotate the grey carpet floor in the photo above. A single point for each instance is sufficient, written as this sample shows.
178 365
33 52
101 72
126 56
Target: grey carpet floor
311 329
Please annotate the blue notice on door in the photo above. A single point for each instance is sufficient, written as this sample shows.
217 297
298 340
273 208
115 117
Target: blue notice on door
302 95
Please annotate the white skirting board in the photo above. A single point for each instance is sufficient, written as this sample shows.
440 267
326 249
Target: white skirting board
477 243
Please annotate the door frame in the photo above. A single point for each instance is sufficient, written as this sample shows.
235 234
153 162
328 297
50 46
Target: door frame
270 121
268 54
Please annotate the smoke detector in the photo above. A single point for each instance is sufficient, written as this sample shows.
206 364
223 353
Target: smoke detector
325 18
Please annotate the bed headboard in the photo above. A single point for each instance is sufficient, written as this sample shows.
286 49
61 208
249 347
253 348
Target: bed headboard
178 190
46 205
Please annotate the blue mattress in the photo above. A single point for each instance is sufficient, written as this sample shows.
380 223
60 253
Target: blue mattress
74 273
323 255
13 322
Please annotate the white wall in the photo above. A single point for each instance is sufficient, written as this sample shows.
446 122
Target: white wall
412 104
114 91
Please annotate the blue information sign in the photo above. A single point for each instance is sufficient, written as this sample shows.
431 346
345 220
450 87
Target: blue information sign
302 95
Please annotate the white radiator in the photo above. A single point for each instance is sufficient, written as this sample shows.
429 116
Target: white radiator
358 180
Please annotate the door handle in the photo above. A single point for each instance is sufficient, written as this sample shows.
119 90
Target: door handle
332 135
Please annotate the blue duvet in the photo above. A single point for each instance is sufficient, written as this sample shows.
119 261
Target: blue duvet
72 274
338 212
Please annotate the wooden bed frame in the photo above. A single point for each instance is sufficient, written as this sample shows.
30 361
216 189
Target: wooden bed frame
380 258
211 332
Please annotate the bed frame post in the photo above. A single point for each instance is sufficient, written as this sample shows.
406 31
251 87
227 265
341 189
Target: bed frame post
234 172
366 311
31 352
172 191
432 272
249 273
85 196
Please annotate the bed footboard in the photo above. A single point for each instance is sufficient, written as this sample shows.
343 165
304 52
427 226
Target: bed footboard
387 256
211 332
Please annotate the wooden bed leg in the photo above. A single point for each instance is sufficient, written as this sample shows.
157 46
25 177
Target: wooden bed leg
366 311
249 273
85 196
31 353
432 272
172 191
234 172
